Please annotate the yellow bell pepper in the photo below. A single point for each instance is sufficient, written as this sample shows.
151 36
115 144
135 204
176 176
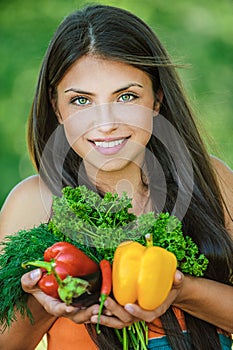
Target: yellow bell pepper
142 274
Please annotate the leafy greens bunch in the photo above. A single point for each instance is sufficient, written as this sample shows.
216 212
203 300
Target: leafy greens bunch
96 225
94 222
103 223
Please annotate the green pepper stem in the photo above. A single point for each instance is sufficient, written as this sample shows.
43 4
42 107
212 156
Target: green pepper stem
149 240
103 297
38 263
49 266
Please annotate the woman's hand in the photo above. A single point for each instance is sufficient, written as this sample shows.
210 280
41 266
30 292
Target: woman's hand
53 306
114 315
118 317
208 300
150 316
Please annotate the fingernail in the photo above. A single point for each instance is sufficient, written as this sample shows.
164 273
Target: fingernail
129 308
70 309
178 276
95 311
35 274
94 319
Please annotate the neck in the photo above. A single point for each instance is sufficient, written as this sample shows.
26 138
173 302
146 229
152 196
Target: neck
127 180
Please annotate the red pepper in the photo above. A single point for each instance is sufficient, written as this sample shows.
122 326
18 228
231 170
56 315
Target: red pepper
106 287
62 261
77 263
48 283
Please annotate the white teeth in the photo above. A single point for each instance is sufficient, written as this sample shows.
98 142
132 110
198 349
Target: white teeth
109 144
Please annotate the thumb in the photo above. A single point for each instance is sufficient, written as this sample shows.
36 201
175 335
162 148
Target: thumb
30 279
178 279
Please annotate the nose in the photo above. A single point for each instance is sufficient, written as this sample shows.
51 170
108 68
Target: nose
106 118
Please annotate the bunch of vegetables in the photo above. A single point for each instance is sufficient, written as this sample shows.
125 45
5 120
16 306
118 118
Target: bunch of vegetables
85 236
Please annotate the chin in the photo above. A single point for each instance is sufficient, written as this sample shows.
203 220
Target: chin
111 165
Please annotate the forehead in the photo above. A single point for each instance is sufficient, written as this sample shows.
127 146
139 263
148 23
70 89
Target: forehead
93 71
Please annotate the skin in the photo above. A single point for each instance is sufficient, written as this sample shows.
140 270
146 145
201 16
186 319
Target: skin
105 84
103 101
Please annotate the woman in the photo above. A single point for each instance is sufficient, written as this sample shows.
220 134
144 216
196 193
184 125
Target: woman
109 112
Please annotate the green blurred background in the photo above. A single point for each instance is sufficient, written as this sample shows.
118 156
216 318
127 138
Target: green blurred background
198 33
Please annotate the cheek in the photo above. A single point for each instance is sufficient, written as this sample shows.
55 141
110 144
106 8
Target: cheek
75 127
139 119
143 128
145 138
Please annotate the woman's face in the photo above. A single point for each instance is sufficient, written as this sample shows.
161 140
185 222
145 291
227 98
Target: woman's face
107 109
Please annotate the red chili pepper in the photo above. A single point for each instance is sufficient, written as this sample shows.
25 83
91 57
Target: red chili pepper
61 260
106 287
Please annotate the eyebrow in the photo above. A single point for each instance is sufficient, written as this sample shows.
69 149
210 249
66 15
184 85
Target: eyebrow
128 86
115 92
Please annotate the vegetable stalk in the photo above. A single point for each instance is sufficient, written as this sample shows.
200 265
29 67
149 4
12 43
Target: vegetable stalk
106 287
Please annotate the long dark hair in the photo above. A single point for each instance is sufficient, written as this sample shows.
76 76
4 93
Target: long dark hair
116 34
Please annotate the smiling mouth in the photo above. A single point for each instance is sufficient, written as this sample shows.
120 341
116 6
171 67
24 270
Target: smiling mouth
109 144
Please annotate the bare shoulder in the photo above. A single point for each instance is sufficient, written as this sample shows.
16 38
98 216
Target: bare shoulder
27 205
224 176
225 179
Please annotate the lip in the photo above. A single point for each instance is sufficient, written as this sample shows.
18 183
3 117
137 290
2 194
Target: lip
109 146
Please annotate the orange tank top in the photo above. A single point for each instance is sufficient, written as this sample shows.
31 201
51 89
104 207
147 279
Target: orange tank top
66 335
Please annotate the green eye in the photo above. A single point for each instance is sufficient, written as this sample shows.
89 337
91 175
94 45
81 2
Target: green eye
82 100
127 97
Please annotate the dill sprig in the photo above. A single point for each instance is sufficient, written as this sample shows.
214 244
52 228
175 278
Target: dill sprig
23 246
